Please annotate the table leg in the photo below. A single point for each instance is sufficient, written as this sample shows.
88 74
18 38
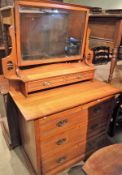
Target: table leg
113 63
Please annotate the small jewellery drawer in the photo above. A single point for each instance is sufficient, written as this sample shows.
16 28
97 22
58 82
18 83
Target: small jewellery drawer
46 83
61 122
79 76
57 81
63 141
63 157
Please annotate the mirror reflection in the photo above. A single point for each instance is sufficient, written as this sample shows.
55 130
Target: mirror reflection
50 33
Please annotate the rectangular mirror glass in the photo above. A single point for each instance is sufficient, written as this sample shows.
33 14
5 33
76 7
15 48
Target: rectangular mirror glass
50 32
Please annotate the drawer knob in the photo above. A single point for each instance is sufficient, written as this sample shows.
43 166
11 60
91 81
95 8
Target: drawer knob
62 123
61 160
61 141
46 83
79 76
97 109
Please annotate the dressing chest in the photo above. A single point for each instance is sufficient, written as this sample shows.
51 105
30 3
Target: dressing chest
62 112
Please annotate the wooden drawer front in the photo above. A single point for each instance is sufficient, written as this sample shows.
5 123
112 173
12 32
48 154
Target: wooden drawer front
61 122
79 76
100 109
46 83
107 106
81 132
56 81
96 127
63 141
95 143
63 157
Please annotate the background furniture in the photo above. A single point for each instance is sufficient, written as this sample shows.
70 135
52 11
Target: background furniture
8 114
4 3
2 47
116 116
101 55
106 161
106 30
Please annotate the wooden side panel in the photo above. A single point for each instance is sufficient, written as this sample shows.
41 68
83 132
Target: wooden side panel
27 130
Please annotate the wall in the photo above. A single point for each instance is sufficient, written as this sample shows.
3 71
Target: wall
105 4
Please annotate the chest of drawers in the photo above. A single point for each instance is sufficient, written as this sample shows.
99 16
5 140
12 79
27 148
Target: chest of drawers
65 138
55 140
62 111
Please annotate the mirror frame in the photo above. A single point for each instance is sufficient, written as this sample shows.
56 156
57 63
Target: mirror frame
22 62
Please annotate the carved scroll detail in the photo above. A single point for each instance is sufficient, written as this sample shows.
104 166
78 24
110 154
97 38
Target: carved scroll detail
88 52
9 63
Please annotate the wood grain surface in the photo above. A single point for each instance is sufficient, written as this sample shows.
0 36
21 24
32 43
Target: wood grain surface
106 161
48 71
48 102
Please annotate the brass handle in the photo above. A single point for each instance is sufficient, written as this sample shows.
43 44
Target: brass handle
61 160
62 123
61 141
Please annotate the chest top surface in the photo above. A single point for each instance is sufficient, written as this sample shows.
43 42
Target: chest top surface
48 102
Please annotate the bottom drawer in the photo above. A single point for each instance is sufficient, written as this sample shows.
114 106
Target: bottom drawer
63 157
96 143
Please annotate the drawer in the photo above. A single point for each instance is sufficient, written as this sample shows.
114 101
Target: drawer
79 76
63 141
46 83
103 107
62 158
80 133
95 143
61 122
56 81
96 127
99 108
